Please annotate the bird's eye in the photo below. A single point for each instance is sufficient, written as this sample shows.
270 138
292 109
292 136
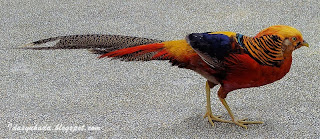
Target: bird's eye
294 38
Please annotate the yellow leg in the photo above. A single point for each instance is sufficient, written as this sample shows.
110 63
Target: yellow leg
241 122
209 114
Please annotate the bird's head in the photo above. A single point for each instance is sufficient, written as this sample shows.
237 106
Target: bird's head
292 38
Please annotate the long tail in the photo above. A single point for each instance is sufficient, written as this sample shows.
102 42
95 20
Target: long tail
98 43
127 48
116 46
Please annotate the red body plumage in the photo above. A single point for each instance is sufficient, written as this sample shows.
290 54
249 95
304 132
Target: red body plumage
249 73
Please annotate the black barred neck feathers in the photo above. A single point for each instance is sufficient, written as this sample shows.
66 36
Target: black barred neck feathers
266 50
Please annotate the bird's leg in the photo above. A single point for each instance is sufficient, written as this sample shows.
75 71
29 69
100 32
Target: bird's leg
241 122
209 114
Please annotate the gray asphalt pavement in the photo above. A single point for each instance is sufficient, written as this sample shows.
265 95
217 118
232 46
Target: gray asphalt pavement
71 93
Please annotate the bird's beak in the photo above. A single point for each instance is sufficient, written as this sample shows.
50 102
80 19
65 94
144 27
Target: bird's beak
305 43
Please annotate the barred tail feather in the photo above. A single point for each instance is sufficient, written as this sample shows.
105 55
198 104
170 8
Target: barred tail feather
97 43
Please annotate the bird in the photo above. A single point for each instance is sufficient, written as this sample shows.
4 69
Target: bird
229 59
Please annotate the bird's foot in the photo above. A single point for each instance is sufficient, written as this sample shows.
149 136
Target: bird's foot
212 118
243 122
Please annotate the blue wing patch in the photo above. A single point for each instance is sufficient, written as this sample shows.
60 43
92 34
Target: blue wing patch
213 45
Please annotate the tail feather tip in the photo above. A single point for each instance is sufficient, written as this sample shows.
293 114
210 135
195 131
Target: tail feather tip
27 45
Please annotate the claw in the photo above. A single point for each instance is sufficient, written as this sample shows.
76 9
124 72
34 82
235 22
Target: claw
240 124
243 121
212 118
209 118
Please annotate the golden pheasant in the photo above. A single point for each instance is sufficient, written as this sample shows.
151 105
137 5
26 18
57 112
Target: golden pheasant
230 59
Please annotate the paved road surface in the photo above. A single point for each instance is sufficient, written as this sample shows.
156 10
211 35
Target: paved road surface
80 96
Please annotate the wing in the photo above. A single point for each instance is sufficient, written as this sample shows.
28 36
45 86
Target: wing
213 48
